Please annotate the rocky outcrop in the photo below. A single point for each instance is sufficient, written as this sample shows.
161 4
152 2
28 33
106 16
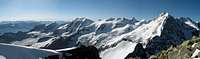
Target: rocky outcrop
174 32
138 53
81 52
186 50
40 27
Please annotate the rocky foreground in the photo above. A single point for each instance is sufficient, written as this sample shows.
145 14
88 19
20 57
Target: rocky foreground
189 49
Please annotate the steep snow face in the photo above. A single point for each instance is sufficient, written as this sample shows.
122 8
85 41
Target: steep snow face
47 34
107 30
70 32
122 45
67 37
110 42
98 39
164 29
146 32
190 23
9 51
78 23
118 52
174 31
97 29
107 26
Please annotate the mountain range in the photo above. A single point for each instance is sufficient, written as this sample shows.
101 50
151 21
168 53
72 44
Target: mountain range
113 38
24 26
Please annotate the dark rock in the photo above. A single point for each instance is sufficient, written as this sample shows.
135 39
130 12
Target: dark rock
81 52
52 57
139 52
51 27
44 39
9 37
84 53
40 27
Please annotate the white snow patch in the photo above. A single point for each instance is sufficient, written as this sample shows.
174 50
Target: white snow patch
43 44
194 44
34 32
191 24
146 32
66 49
196 52
118 52
2 57
64 26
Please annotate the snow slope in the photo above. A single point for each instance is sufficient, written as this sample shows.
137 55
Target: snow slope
118 52
139 35
10 51
113 46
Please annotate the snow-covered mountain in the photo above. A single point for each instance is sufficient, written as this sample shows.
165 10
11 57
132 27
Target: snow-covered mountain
15 33
115 38
15 26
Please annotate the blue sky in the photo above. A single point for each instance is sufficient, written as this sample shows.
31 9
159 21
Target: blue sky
99 8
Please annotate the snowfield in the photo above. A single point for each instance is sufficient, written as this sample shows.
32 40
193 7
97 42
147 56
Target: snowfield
118 52
9 51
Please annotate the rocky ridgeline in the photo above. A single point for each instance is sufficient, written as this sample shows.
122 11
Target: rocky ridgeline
189 49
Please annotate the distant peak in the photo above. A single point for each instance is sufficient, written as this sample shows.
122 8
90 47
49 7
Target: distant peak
164 14
82 19
133 18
